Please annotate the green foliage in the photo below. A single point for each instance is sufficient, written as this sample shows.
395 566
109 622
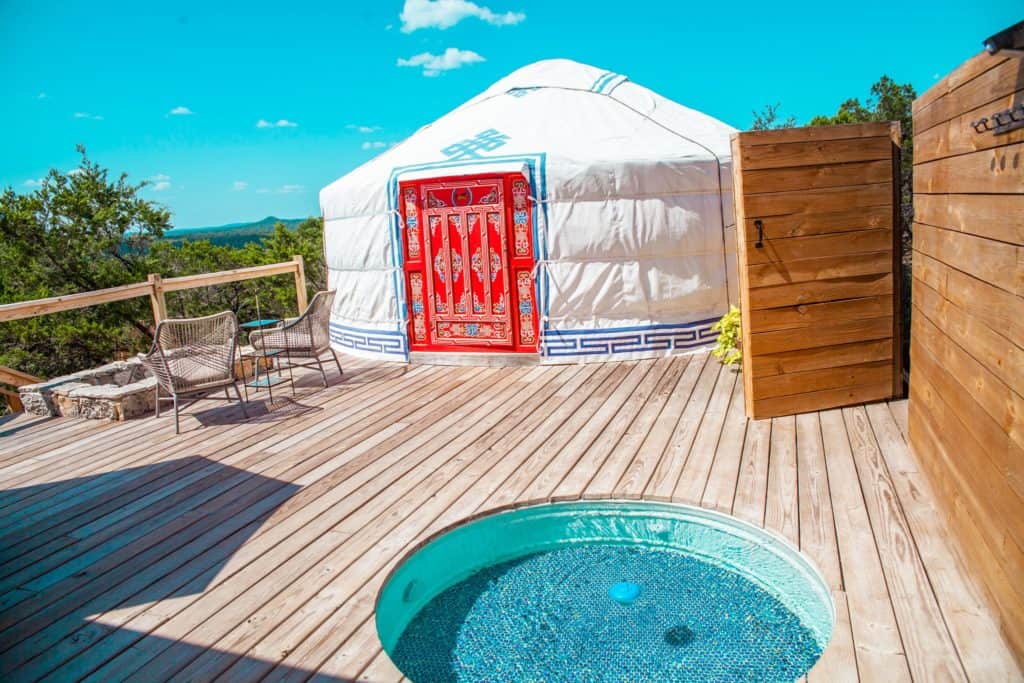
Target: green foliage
768 118
79 231
728 348
82 231
888 101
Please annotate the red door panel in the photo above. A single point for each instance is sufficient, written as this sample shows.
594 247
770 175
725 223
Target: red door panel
470 280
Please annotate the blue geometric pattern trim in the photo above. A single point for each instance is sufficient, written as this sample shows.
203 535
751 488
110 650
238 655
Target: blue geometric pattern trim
615 340
377 341
470 148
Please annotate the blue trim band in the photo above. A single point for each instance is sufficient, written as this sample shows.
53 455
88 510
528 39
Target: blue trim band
603 342
598 80
375 341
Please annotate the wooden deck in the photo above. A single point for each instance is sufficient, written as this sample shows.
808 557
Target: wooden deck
244 550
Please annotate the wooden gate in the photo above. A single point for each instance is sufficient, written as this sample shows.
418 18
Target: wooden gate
817 210
470 282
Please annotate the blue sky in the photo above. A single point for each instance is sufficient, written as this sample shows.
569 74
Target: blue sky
236 111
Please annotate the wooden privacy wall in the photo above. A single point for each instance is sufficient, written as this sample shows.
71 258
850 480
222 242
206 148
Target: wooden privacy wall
967 341
819 298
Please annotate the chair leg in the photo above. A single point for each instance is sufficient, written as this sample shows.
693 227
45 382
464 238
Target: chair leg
157 389
177 426
337 362
226 394
241 403
323 374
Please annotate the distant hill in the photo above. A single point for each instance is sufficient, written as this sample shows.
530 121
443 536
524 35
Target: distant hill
232 234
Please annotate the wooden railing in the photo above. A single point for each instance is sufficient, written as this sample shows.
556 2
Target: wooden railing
155 288
14 378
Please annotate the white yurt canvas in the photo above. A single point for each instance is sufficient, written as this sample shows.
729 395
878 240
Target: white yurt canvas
618 202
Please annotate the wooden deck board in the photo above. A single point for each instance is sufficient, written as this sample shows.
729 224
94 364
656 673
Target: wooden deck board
243 550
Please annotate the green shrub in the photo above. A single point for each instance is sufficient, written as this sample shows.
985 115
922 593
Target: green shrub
729 347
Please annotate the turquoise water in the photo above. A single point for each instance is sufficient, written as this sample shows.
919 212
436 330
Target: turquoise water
624 591
548 616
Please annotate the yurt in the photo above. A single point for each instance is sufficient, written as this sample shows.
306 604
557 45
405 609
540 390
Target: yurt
565 214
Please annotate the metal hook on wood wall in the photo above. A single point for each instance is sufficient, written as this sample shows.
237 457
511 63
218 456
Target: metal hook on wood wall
759 226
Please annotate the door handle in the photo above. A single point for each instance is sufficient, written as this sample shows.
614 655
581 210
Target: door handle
759 244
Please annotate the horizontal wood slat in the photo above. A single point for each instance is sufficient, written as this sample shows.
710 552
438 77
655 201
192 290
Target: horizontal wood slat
997 217
820 291
978 64
957 136
68 302
995 262
966 410
807 134
1004 77
828 398
815 246
805 315
989 171
819 295
833 333
825 200
17 378
862 218
816 152
828 175
827 378
821 358
824 268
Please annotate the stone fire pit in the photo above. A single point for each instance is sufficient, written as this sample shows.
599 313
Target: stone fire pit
116 391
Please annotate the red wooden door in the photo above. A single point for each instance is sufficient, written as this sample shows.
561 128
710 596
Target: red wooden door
467 251
463 293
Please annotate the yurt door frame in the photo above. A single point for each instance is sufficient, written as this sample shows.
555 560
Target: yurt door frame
469 263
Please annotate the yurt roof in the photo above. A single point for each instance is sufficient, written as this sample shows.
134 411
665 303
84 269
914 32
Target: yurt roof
581 119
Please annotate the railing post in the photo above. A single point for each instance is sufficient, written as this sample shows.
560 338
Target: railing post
300 283
156 298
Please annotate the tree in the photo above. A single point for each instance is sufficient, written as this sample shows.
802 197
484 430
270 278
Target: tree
78 231
768 118
81 231
888 101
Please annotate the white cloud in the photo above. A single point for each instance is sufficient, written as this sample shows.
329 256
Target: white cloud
87 115
284 189
239 185
442 14
33 182
366 130
160 182
75 171
375 144
280 123
41 96
433 65
181 111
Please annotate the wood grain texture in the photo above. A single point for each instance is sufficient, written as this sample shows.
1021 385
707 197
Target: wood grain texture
999 170
875 217
263 562
819 274
965 418
814 152
996 217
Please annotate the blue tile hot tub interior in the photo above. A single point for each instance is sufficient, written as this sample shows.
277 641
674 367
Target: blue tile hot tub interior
604 591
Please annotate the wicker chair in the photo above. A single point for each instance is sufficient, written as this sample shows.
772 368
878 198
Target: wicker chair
304 337
192 357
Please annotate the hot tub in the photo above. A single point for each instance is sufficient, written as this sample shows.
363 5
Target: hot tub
605 591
